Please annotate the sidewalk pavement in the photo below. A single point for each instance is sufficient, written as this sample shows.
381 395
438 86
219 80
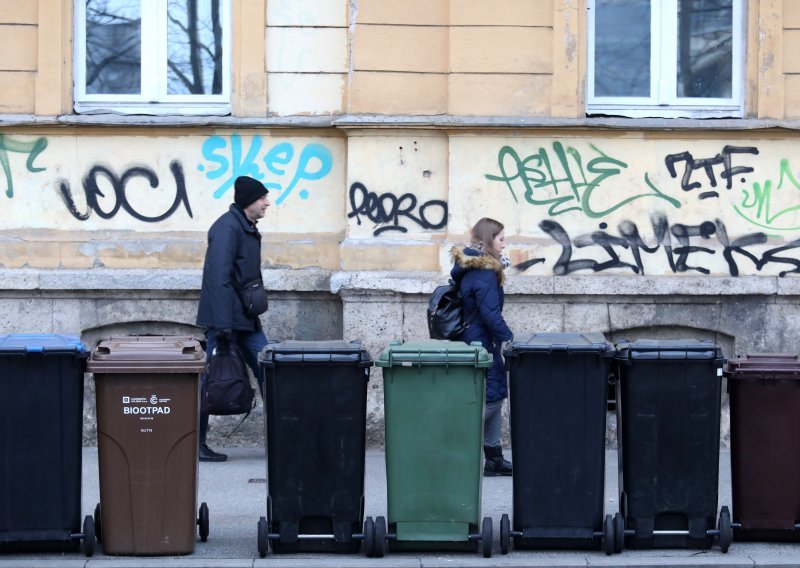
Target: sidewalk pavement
235 492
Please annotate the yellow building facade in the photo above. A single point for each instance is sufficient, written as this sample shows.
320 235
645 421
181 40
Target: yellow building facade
384 130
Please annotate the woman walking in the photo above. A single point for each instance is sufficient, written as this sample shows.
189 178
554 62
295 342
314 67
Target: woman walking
478 271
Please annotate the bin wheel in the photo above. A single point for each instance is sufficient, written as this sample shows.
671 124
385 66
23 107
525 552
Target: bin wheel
608 536
369 537
379 542
202 521
619 532
97 523
89 536
487 535
725 530
263 540
505 533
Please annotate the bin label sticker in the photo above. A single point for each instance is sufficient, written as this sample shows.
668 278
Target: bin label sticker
145 406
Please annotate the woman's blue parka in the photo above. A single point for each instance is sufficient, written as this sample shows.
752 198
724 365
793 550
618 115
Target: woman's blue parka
480 278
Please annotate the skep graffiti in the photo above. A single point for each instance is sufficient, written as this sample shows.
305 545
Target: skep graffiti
227 160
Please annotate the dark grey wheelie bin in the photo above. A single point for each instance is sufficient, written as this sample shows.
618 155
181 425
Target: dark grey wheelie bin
41 433
559 389
668 420
315 429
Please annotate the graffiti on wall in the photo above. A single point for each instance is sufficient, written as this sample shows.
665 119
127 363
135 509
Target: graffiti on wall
100 175
563 180
559 180
387 210
31 149
281 167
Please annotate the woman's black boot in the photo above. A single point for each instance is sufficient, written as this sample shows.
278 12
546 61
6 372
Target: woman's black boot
496 465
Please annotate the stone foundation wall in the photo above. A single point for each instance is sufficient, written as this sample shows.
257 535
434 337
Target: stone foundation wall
742 315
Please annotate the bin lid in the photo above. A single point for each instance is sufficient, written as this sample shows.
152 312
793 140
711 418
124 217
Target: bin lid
147 354
764 366
434 352
332 351
556 342
669 349
42 343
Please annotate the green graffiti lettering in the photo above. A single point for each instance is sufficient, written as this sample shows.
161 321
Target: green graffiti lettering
756 205
33 149
570 190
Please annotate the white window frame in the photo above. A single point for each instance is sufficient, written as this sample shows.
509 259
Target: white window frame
663 72
154 98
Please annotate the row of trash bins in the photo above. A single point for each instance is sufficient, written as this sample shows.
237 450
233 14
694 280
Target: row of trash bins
668 407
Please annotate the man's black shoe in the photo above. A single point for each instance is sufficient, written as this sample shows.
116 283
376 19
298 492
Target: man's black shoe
206 454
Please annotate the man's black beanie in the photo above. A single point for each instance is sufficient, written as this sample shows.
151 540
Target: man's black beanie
247 190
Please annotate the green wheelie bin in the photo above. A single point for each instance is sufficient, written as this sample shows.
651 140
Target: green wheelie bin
434 393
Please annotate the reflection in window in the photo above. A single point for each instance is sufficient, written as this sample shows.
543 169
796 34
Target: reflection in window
194 38
622 49
113 46
705 48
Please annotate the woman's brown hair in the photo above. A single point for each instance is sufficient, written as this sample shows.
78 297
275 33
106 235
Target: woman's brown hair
484 232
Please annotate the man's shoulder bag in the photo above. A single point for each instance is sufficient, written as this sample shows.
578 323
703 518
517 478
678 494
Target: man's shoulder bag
254 297
228 390
445 319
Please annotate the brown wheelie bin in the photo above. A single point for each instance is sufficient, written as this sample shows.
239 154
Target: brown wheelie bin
765 453
147 390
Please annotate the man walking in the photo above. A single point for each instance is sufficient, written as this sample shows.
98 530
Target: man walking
233 258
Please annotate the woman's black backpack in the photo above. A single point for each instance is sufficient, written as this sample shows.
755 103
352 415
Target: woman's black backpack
445 320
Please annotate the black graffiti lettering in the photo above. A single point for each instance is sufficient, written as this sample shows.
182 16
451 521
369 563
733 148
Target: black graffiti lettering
389 208
738 246
607 243
772 256
707 165
93 193
526 264
731 171
631 239
683 233
630 232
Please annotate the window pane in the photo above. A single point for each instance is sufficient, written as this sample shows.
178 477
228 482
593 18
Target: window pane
195 47
113 47
622 48
705 48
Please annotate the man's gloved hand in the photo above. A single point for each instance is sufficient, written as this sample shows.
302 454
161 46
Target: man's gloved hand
224 340
505 345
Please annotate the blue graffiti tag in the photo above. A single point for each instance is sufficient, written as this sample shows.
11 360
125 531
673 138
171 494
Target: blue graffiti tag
314 162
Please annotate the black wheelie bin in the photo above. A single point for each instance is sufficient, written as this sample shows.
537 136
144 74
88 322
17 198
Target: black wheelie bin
148 402
668 418
315 433
41 434
559 390
765 456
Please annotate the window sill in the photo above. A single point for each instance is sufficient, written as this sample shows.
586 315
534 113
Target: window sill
154 109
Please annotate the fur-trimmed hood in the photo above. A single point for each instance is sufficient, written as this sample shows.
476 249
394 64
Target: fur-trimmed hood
466 258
